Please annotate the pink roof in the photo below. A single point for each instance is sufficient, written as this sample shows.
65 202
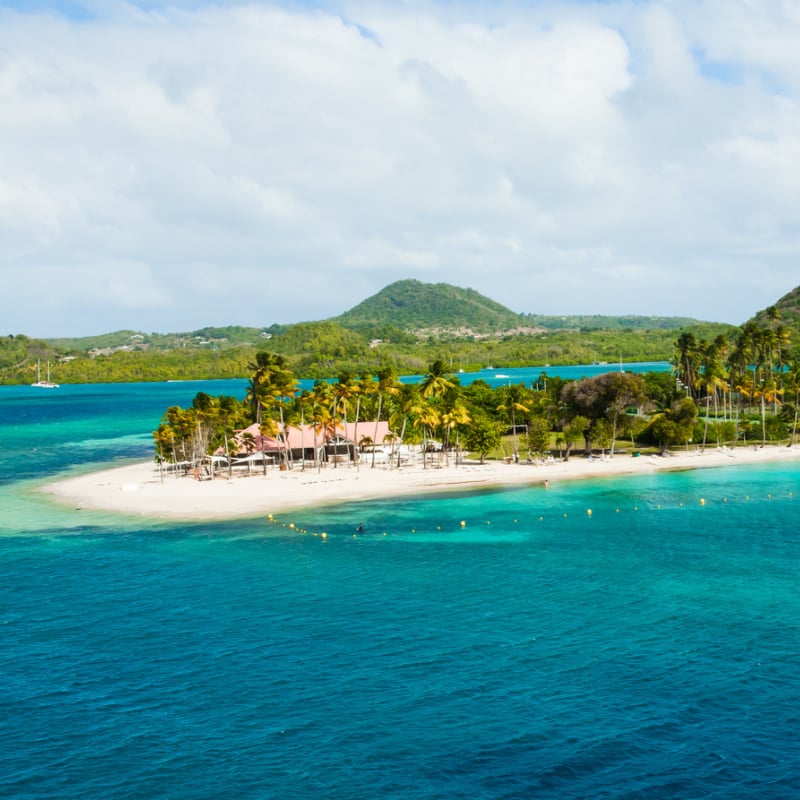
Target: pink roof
302 436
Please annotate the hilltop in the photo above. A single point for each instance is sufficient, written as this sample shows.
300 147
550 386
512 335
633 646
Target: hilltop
413 305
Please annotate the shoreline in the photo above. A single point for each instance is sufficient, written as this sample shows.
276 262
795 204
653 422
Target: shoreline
137 489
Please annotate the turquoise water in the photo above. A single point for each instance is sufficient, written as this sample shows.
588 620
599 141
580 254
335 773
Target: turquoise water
650 650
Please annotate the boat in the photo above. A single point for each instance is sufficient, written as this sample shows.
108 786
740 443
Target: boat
502 375
40 384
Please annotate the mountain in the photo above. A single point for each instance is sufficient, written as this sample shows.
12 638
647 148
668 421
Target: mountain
413 305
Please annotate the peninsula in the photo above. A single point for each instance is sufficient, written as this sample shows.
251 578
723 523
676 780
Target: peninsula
140 490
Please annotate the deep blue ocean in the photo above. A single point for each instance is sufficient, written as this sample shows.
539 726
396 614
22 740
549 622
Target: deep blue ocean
648 650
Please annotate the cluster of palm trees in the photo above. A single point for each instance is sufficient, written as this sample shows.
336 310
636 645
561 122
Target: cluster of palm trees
753 371
432 410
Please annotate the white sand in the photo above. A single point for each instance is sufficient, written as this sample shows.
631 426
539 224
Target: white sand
138 489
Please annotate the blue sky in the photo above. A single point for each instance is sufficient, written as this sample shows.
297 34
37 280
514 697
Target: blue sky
169 165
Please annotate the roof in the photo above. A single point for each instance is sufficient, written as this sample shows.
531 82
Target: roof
302 436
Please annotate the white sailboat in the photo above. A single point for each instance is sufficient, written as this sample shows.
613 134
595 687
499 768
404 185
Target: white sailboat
40 384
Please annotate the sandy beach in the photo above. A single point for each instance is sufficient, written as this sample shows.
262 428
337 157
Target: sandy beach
138 489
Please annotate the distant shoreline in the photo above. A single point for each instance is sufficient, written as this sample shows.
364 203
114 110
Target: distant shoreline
137 489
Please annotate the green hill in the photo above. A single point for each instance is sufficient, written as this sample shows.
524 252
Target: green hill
413 305
785 311
440 307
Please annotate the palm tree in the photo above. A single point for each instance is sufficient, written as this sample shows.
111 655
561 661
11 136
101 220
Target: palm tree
709 380
407 403
304 400
322 420
428 418
456 415
768 393
268 427
685 361
512 404
343 390
435 382
792 383
386 385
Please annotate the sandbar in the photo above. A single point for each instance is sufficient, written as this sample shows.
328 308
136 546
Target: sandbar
140 490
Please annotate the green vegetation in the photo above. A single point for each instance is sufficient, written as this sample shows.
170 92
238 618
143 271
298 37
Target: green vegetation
596 322
786 312
414 305
408 325
721 392
322 349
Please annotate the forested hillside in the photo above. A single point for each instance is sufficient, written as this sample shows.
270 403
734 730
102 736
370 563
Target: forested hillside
785 311
407 325
414 305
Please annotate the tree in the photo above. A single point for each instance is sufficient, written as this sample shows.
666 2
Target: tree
427 419
483 435
686 361
538 436
573 432
387 379
454 416
322 420
435 383
513 401
673 425
407 403
602 397
344 389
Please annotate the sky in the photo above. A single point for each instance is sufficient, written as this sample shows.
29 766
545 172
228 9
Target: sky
170 165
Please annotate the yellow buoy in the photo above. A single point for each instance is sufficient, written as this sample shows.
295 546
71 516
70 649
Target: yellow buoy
463 524
291 525
324 535
589 512
702 501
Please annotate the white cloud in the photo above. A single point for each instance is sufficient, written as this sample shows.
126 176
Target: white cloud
172 167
